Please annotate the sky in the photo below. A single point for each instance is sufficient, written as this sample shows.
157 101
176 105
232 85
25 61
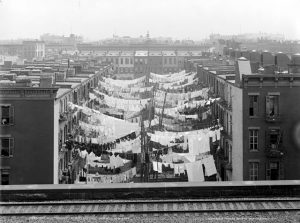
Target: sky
179 19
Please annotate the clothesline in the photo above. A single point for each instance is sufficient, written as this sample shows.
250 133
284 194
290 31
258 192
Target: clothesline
114 178
193 168
113 128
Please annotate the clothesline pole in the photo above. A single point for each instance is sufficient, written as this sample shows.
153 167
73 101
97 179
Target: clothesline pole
157 156
162 112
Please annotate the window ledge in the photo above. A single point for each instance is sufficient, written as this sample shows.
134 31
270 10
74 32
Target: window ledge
6 125
254 117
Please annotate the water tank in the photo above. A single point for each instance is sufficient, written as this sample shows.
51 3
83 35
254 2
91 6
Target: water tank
296 59
246 54
267 58
255 57
238 53
282 60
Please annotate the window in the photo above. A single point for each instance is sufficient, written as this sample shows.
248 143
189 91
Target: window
230 154
275 170
253 139
253 105
7 145
274 138
230 125
253 170
170 60
5 177
272 105
7 114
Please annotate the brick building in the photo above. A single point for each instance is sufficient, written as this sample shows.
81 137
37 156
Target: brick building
258 141
36 123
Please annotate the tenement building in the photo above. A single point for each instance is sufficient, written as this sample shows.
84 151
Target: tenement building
260 116
36 122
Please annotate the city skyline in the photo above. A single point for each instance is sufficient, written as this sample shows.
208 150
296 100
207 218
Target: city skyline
194 20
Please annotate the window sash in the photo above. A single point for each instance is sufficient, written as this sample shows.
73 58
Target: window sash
253 105
253 170
253 139
7 115
7 151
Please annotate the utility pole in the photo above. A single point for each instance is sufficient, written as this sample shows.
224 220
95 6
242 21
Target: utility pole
142 148
162 113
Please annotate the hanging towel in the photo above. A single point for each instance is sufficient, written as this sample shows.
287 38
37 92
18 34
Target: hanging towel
195 171
210 167
154 165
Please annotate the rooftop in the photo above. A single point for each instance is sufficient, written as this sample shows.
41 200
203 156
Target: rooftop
62 91
155 53
141 53
72 85
169 53
113 53
129 53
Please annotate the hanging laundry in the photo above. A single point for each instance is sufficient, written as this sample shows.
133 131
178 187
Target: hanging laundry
181 168
210 167
176 169
159 167
154 164
195 171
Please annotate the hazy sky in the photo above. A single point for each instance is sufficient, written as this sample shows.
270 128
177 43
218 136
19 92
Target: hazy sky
180 19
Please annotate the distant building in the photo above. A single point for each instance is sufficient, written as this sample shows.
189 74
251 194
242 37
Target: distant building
155 62
170 62
141 66
126 65
33 50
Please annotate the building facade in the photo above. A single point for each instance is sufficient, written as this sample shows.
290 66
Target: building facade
28 136
258 141
141 66
155 62
126 65
33 50
36 124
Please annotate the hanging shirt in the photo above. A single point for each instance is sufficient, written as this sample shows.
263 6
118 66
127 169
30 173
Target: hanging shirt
159 167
